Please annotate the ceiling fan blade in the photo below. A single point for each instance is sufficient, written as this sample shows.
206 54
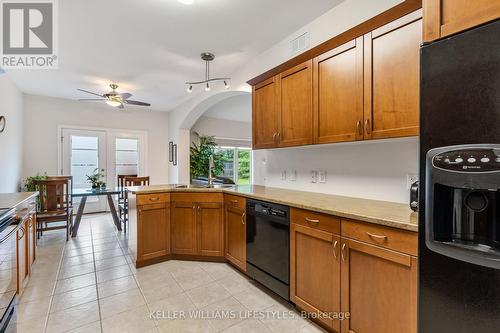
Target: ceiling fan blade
125 95
91 100
131 102
120 106
89 92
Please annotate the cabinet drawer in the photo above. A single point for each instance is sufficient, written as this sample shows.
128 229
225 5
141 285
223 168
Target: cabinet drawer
315 220
149 199
198 197
391 238
235 201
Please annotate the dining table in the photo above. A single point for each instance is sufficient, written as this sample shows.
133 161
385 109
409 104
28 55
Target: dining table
84 193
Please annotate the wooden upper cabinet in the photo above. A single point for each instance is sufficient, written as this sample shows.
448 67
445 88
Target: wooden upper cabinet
379 289
183 228
266 113
446 17
210 229
338 94
391 78
236 231
296 123
315 272
153 230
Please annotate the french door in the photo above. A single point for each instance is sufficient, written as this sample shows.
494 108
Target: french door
83 152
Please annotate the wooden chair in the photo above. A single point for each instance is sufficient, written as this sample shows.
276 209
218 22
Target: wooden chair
123 206
70 185
54 205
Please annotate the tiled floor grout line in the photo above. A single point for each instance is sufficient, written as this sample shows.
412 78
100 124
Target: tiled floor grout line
54 288
95 275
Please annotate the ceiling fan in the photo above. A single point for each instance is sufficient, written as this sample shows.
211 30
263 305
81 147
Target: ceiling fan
113 98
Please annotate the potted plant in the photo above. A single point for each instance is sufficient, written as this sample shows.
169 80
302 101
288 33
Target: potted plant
96 178
200 154
29 185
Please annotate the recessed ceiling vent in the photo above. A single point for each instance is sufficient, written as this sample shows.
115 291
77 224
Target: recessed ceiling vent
300 43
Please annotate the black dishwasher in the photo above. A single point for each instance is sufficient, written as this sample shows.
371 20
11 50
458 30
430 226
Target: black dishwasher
268 245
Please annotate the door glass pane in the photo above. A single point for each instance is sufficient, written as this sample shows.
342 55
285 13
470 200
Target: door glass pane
244 165
84 159
227 162
127 156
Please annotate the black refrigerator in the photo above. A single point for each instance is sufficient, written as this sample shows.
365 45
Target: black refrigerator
459 219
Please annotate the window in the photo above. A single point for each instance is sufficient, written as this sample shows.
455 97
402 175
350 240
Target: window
237 164
127 156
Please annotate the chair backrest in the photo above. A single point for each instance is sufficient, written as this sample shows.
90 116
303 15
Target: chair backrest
70 185
54 195
136 181
121 184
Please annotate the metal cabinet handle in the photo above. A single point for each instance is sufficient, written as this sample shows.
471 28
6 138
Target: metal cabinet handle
20 237
274 136
335 249
279 136
359 128
376 236
154 199
367 126
243 217
234 203
343 253
312 221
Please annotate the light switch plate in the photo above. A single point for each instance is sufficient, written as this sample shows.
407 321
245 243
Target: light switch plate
314 176
322 176
292 175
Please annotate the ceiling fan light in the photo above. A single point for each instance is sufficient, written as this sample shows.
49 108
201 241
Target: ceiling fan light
190 89
113 103
207 87
226 85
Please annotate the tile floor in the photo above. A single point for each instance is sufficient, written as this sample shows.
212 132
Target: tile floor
89 285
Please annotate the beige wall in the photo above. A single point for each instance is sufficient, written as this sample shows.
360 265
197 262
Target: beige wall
11 140
44 114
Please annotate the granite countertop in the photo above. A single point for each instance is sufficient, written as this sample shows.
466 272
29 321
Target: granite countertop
385 213
11 200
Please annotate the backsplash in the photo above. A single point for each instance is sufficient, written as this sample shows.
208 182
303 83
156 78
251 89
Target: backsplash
370 169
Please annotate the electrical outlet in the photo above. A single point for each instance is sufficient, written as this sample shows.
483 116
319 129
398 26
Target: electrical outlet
314 176
283 174
292 175
410 179
322 176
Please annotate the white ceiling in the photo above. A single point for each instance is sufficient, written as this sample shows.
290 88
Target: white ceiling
236 108
151 47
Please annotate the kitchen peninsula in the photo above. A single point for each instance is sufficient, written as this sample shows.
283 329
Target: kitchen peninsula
340 247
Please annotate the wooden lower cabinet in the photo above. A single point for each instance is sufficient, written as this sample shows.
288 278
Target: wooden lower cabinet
184 228
22 256
198 225
235 211
210 229
153 230
315 273
378 289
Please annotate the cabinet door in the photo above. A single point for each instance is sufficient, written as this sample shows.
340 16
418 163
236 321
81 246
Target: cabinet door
379 289
391 83
338 94
153 231
296 106
31 240
315 272
210 229
446 17
266 113
236 236
183 227
22 257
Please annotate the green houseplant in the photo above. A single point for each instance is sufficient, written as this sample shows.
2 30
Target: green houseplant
96 178
29 185
199 155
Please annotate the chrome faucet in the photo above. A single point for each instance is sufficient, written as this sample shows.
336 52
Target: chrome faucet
211 165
